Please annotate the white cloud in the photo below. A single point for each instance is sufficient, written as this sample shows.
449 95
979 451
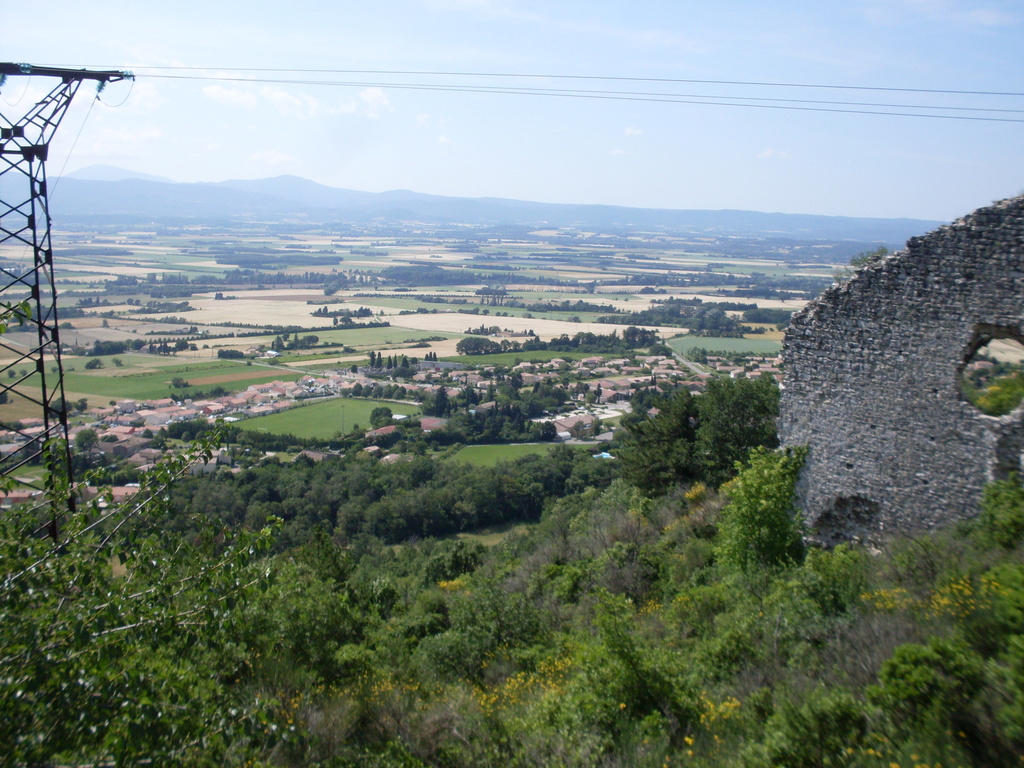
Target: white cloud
290 105
373 101
234 97
369 103
422 121
631 131
954 12
988 17
618 152
442 139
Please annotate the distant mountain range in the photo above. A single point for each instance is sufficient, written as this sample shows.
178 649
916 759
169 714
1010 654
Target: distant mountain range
107 195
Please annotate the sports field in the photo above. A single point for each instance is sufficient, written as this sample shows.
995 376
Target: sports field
324 419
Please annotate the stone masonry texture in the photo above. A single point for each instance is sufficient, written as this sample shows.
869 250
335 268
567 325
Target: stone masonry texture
873 389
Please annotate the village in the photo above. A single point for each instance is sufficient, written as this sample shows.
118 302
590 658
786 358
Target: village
597 390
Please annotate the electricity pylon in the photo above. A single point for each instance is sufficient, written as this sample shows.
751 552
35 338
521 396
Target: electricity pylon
30 361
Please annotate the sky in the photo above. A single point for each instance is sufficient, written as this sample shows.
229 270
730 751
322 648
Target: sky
205 105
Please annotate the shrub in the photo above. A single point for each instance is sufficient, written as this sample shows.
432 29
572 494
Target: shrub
1002 513
760 526
920 680
822 731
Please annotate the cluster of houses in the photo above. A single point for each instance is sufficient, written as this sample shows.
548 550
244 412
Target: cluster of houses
125 428
615 379
752 367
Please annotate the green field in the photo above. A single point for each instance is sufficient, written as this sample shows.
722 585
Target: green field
323 419
133 362
684 344
374 338
122 383
489 455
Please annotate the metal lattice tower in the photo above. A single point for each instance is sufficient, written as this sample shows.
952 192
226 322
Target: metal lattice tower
30 361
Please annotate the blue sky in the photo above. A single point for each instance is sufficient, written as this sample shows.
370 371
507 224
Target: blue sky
371 135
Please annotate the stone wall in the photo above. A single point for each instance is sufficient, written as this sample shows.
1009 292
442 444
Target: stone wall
873 381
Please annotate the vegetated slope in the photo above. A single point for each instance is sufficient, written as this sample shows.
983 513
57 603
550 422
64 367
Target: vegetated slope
685 627
629 631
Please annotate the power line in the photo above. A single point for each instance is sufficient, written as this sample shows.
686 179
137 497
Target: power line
564 91
925 111
550 76
663 98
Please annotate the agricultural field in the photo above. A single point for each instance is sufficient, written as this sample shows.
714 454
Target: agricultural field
126 383
297 268
146 377
249 289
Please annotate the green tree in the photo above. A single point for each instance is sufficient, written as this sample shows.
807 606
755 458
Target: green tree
659 452
700 438
1002 513
439 404
86 440
451 559
824 729
477 345
109 628
380 416
299 626
660 349
485 625
734 416
937 679
760 527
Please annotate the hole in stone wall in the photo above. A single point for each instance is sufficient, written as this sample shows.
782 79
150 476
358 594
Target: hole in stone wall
849 517
992 379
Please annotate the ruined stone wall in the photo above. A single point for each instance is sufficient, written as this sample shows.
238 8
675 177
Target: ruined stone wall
873 381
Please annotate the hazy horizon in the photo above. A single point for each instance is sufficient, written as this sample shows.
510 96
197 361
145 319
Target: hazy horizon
113 173
755 106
